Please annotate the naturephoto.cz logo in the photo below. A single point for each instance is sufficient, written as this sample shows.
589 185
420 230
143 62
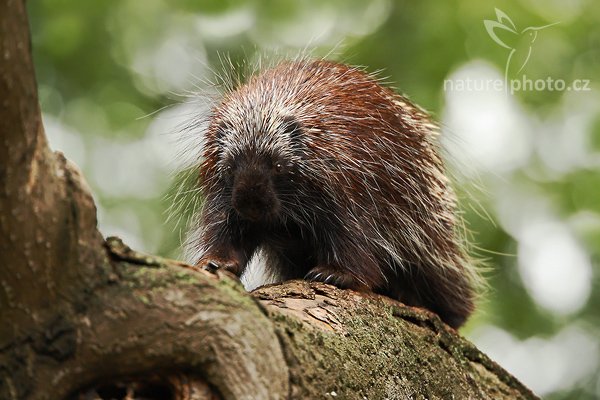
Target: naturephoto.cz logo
519 45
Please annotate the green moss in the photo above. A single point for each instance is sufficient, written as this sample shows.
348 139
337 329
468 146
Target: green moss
418 353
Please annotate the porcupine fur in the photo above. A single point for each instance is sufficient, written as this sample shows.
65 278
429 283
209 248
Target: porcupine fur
332 177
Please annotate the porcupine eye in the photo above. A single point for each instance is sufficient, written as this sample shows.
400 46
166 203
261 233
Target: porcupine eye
280 166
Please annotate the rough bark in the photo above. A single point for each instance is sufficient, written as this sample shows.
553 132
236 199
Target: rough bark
78 312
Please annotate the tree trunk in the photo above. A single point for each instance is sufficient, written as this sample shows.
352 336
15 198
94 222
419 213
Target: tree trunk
81 316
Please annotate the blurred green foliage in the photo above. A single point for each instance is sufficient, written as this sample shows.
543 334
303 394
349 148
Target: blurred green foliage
110 71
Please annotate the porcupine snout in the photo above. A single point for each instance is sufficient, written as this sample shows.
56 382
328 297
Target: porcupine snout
253 194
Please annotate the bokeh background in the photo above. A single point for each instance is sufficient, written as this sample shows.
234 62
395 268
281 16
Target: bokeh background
117 79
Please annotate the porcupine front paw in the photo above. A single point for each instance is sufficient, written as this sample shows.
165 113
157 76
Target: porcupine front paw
334 276
212 264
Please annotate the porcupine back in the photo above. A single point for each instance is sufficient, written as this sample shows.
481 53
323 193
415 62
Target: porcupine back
369 192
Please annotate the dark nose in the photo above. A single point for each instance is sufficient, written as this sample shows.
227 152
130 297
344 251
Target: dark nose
253 196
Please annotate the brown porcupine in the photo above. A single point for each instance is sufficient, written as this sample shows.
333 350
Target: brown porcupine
334 178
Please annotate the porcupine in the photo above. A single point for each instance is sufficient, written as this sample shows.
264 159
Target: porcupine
333 177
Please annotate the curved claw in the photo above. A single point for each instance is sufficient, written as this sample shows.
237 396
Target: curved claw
210 266
313 276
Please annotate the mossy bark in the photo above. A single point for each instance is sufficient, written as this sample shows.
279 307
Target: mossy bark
372 347
78 311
